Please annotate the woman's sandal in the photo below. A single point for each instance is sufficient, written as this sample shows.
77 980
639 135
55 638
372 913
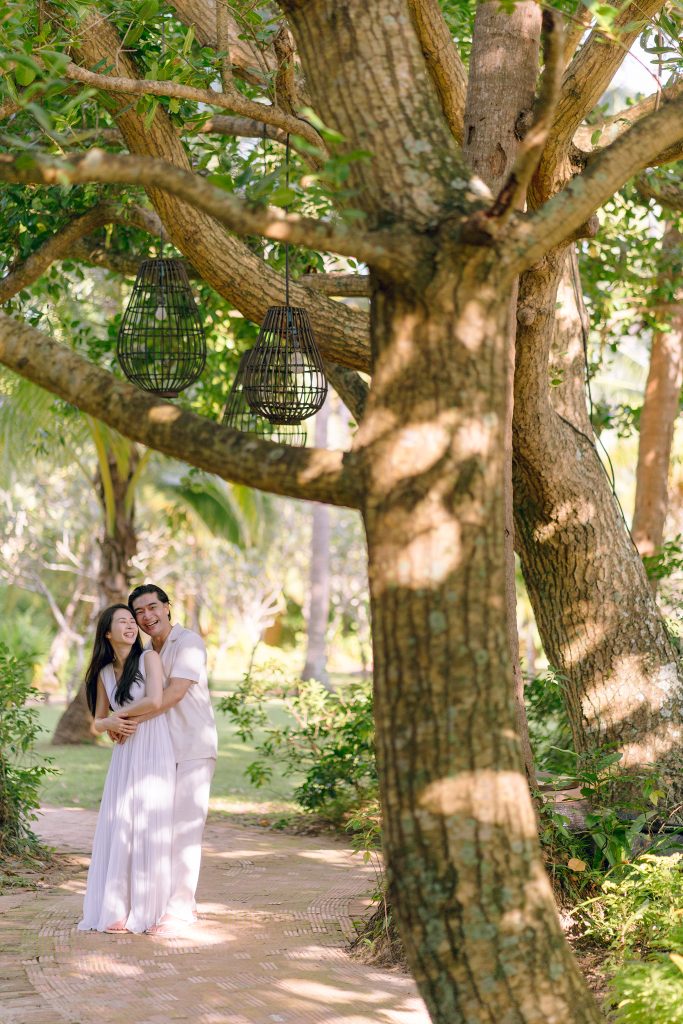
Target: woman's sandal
117 928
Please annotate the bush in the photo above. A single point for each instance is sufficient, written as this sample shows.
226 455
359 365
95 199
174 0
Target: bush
550 734
329 740
20 772
649 991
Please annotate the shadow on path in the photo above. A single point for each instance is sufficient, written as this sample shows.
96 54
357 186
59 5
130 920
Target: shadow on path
276 912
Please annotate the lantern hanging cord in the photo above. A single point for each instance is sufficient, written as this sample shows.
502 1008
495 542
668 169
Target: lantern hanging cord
162 233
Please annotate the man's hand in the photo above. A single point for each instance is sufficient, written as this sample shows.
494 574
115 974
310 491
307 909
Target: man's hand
121 728
116 737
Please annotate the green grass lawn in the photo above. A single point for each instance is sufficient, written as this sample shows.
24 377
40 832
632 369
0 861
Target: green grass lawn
82 771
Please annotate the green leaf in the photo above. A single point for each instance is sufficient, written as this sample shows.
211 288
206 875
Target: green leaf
595 137
24 75
149 10
149 116
41 115
187 42
282 196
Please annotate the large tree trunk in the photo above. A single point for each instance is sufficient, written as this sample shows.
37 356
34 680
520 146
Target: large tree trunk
118 544
315 666
474 905
657 421
595 611
497 105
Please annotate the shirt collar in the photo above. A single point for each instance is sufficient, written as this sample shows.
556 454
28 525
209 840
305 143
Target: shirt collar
176 630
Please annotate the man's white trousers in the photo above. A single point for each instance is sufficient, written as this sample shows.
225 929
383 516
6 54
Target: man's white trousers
193 782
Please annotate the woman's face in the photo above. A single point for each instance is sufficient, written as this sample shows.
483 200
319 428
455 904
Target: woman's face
123 628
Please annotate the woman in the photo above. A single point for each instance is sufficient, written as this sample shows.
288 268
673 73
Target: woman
130 871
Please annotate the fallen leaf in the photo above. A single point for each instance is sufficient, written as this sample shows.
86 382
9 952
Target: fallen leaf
574 864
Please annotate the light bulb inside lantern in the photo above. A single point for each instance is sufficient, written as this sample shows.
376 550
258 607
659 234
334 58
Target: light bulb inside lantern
161 312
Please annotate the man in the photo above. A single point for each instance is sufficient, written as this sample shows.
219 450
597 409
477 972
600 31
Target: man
187 706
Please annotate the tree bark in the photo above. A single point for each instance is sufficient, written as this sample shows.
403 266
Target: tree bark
594 608
497 111
118 542
474 905
657 421
315 666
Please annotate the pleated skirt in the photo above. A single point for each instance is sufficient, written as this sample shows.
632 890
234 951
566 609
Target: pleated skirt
130 872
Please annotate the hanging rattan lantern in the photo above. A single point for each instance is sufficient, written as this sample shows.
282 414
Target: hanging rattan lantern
161 344
239 416
284 380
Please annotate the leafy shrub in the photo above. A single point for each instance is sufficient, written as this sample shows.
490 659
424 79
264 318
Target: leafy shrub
20 772
550 734
637 907
328 739
649 991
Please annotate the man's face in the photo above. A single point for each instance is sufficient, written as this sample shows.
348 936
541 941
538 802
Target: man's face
152 615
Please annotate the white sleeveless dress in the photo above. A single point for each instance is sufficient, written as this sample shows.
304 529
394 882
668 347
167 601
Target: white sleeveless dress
130 871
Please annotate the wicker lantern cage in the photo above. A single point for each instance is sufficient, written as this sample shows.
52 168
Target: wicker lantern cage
284 380
161 343
239 416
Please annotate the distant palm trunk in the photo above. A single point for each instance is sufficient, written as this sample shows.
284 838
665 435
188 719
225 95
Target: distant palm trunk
315 666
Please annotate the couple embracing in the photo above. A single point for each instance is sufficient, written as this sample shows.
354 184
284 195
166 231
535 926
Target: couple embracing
154 702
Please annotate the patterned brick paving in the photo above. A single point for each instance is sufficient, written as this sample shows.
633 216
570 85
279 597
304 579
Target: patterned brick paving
276 911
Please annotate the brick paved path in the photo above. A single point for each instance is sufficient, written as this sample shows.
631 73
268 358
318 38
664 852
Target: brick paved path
275 911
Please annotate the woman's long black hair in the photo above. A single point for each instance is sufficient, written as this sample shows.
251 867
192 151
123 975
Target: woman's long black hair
103 654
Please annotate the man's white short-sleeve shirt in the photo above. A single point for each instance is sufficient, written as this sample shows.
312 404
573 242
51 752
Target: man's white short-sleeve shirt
191 721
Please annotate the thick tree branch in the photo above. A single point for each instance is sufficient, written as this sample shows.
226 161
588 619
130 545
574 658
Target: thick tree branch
314 474
382 249
586 79
56 247
338 284
62 244
241 127
577 24
606 172
230 99
612 127
68 244
285 78
668 156
223 45
350 387
223 260
88 250
443 61
513 192
594 66
666 193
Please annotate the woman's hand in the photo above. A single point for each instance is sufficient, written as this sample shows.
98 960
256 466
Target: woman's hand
116 724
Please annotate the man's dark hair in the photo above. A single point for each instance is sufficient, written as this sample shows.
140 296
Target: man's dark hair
148 588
